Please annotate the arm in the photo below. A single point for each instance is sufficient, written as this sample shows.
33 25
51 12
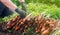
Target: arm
9 4
13 7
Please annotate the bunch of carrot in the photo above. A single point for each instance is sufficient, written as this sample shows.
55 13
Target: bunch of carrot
18 23
40 23
45 25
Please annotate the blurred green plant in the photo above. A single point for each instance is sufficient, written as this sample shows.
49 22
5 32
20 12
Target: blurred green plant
7 18
38 8
30 31
16 2
57 32
49 2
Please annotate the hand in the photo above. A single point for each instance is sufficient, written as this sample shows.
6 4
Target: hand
21 13
23 6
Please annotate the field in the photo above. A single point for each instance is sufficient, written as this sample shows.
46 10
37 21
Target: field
47 7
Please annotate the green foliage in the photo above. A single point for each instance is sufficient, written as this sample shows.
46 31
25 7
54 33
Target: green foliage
0 19
38 8
16 2
30 31
7 18
49 2
57 32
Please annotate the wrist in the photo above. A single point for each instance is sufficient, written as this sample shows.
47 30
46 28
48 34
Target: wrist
21 13
16 9
23 6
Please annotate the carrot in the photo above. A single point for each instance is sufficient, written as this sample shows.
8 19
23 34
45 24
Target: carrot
37 31
46 32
